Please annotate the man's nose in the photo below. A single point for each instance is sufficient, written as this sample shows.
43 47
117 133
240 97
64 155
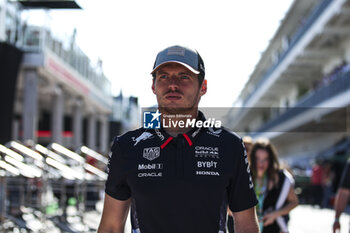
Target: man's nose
173 83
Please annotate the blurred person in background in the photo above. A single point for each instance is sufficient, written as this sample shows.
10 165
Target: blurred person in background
342 197
317 183
327 180
274 188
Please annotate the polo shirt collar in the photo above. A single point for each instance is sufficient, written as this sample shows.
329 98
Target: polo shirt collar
190 136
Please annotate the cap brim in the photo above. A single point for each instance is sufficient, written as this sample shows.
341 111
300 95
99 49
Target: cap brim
181 63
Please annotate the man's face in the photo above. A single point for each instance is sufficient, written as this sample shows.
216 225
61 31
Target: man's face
177 88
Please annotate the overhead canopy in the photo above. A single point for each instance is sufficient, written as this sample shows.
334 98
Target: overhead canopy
50 4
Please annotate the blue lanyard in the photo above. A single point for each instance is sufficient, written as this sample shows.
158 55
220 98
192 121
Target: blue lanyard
260 192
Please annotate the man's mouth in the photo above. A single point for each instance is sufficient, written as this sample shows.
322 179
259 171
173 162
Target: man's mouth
173 97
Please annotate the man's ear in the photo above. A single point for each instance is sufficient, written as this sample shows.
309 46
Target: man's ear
153 88
204 87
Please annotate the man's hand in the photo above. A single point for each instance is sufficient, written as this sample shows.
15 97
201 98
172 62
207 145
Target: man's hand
336 226
341 201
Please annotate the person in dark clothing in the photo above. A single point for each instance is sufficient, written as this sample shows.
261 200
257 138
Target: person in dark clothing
317 183
342 197
274 188
181 178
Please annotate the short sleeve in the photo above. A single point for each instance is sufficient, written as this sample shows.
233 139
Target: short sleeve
345 180
241 194
116 184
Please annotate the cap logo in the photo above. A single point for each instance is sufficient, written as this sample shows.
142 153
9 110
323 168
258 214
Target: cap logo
176 51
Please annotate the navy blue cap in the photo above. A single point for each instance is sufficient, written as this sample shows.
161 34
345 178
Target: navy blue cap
181 55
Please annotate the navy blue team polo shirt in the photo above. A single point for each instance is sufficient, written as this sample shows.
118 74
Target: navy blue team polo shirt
182 184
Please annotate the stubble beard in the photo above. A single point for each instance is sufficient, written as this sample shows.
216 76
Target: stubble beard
181 109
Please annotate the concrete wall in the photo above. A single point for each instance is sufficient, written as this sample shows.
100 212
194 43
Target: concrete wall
2 20
305 144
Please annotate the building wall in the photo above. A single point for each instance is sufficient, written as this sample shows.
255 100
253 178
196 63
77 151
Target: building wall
296 145
2 20
346 47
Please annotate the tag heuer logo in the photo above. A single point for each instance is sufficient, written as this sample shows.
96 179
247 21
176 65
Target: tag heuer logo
151 153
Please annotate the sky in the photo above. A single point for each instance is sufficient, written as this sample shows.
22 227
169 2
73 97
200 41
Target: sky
127 35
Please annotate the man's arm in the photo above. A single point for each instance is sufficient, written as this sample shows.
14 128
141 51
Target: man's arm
246 221
340 203
114 215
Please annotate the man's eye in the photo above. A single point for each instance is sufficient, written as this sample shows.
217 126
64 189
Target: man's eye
185 77
163 76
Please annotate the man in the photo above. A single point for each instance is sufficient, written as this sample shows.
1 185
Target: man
342 197
178 179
